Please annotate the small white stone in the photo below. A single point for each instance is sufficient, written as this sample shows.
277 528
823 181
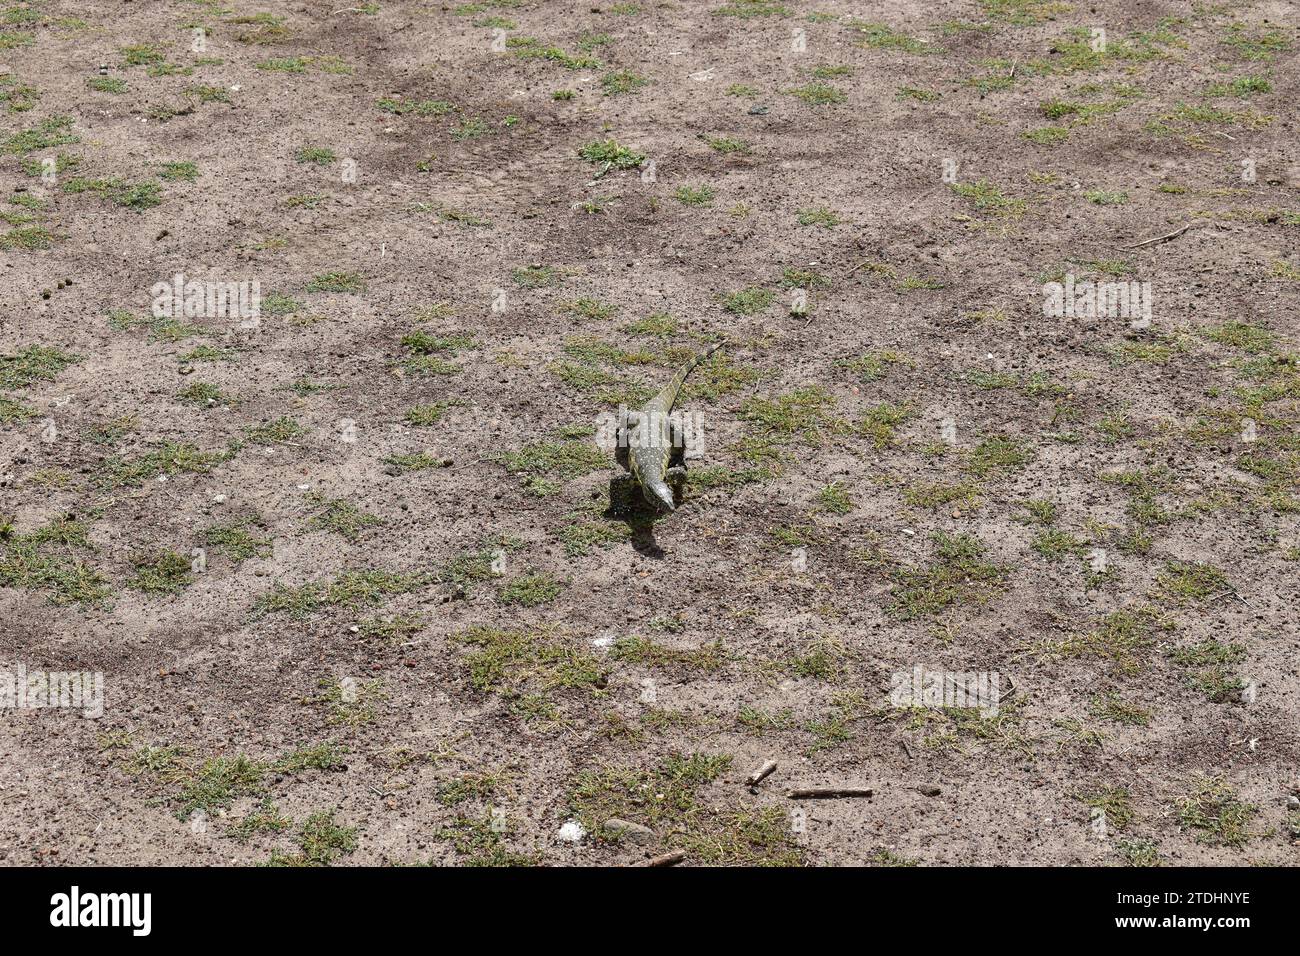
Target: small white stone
572 832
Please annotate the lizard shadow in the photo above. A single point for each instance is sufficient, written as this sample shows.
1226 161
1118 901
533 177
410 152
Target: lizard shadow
627 505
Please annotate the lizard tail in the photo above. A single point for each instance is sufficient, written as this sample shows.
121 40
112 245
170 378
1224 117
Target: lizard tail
669 394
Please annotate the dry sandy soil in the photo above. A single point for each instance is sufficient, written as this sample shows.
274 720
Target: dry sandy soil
348 570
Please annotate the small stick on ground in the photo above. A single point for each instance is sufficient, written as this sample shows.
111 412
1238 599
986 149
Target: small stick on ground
668 859
829 793
1164 238
761 773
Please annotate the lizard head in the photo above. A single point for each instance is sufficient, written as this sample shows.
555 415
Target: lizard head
660 496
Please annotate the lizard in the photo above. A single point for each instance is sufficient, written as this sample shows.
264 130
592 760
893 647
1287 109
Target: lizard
651 445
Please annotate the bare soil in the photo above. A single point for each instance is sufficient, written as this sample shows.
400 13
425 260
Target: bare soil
919 467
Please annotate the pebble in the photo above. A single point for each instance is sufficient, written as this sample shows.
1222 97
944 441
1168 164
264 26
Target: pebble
572 832
633 832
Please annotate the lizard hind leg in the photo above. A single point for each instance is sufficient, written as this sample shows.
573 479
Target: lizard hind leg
675 477
677 437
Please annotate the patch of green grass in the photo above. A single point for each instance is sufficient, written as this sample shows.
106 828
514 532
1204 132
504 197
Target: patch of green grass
804 412
580 537
274 433
204 394
1047 135
285 64
748 301
1102 197
1056 545
1242 335
622 81
608 151
55 130
182 171
819 216
641 650
27 237
532 48
514 663
988 197
1210 664
713 835
804 279
422 416
881 422
563 460
1023 12
472 786
46 560
341 517
530 590
143 54
351 589
536 276
170 458
915 93
163 573
136 196
349 282
718 376
958 574
748 9
265 818
997 454
1189 582
107 84
694 195
321 842
727 145
36 363
659 324
937 494
1216 814
416 107
1256 43
1123 637
237 541
12 411
482 843
1114 804
817 94
880 36
1135 852
1241 86
422 342
834 499
419 461
1117 710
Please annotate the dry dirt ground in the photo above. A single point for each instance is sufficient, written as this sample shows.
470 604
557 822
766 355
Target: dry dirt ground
346 566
